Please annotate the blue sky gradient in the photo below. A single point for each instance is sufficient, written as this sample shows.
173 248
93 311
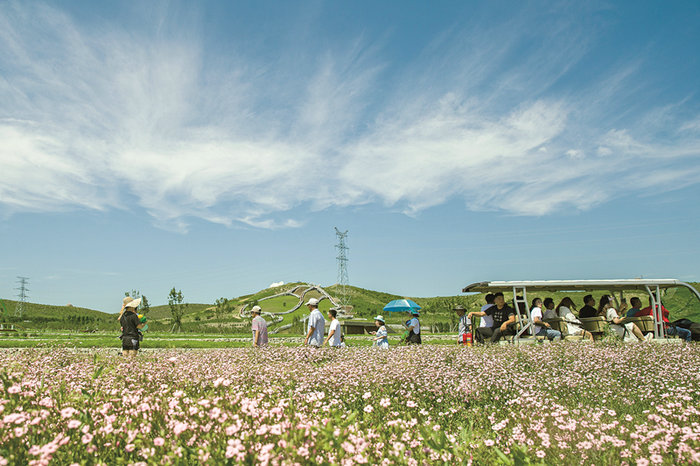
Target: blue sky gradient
213 147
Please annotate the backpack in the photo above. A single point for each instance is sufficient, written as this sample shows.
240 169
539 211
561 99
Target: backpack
683 323
695 331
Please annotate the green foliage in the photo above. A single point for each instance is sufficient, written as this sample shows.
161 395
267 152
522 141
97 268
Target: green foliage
177 308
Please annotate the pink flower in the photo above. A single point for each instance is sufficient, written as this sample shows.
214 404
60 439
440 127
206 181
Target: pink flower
489 443
130 447
74 424
368 409
14 389
159 441
87 438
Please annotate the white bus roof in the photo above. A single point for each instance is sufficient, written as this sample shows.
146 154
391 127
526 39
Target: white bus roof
578 285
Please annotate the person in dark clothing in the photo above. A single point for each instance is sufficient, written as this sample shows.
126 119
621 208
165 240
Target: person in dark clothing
588 310
503 316
131 324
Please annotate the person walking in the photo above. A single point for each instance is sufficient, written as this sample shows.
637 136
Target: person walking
131 324
259 326
317 324
381 339
413 326
333 339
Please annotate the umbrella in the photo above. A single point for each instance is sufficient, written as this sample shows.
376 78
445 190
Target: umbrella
401 305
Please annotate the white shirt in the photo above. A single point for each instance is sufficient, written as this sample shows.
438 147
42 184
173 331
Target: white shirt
415 324
623 331
571 320
486 321
335 339
317 321
536 313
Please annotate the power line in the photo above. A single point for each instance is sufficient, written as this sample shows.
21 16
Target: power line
22 295
342 267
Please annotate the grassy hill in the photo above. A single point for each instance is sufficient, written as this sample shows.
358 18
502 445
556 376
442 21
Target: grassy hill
436 313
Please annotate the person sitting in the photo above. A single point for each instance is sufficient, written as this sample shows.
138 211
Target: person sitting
542 328
573 325
549 312
636 304
683 333
503 316
588 310
486 320
624 331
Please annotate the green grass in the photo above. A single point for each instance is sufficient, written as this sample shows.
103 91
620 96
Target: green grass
436 314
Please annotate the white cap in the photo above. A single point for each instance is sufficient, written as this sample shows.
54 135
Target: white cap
256 310
380 318
312 302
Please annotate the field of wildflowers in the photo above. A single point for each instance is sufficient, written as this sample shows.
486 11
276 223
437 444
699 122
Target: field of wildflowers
550 404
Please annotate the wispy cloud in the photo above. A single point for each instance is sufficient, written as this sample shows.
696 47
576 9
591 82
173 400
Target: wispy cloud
104 118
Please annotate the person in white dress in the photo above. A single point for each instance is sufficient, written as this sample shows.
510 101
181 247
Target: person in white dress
573 325
627 331
380 339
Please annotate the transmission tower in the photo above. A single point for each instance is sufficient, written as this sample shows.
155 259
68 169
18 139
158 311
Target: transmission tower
342 267
22 295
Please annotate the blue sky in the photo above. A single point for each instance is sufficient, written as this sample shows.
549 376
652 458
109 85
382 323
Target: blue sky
213 147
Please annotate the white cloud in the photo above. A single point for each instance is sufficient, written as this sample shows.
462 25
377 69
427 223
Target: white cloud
275 284
101 120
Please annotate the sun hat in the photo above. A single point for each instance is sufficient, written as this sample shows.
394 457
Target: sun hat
312 302
379 318
133 303
414 312
127 300
458 307
256 310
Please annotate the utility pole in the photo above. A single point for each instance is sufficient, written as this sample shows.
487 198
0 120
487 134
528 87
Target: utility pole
22 295
342 267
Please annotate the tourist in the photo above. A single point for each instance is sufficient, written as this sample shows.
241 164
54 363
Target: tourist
259 326
683 333
573 325
381 339
333 339
486 320
625 331
548 311
503 317
542 328
636 304
413 326
588 310
131 324
317 324
463 326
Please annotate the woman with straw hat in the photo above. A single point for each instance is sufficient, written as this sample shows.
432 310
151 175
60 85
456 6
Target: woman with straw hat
130 322
381 339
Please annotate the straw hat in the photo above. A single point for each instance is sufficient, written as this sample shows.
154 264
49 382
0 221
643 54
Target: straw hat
127 300
133 303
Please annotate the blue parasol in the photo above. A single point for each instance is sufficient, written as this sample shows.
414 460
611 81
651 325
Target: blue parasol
401 305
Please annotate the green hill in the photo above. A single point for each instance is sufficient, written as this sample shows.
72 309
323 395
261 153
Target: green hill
436 311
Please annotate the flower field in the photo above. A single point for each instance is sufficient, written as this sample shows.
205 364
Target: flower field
550 404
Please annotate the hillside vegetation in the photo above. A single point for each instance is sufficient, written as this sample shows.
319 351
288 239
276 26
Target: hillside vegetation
436 312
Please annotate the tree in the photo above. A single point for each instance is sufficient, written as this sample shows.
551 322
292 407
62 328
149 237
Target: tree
177 308
221 308
145 307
